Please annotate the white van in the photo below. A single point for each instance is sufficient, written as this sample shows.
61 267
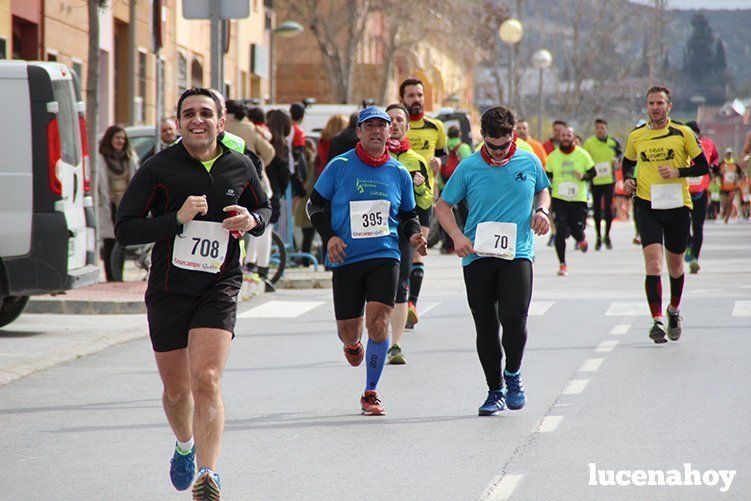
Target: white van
47 223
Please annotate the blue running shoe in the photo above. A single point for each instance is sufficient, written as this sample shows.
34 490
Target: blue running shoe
515 398
208 487
493 405
182 468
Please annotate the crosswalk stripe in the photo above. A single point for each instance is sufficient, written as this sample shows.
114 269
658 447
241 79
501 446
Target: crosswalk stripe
280 309
539 308
591 364
742 309
606 346
575 386
501 489
550 423
425 308
626 308
620 329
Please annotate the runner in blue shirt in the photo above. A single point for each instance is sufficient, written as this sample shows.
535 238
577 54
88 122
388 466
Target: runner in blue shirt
505 189
356 206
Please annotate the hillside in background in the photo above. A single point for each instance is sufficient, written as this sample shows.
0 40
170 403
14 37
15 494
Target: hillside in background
545 27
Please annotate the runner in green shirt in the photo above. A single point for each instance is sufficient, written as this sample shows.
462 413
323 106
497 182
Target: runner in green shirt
570 168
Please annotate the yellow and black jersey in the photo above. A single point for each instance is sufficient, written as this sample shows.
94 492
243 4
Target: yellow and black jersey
673 145
426 136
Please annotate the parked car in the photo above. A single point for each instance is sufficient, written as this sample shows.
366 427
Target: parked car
47 223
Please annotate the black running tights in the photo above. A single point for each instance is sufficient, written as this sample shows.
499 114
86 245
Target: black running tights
499 292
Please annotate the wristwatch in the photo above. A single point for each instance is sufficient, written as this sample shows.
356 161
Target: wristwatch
257 218
543 210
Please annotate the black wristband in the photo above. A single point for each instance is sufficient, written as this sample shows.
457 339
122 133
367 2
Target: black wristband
543 210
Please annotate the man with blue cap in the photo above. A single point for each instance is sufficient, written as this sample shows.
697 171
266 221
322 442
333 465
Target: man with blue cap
358 202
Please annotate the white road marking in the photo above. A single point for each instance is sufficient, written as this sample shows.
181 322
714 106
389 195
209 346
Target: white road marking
575 386
627 308
742 309
539 308
620 329
606 346
280 309
501 489
591 364
425 308
550 423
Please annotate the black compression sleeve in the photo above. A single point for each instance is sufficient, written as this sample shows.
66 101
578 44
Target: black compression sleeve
628 167
410 223
319 216
700 167
590 174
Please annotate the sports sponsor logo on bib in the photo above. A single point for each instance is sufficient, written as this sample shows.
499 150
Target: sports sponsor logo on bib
494 239
604 170
369 218
568 190
201 247
729 177
666 196
695 181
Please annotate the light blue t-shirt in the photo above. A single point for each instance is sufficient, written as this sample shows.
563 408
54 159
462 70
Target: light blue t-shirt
504 194
347 179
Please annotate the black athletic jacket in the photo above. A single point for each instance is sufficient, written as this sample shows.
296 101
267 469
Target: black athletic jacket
161 186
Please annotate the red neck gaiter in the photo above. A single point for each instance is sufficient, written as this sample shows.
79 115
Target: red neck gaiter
415 118
397 146
371 160
499 163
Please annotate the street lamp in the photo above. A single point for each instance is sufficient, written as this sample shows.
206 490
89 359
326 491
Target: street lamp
511 33
288 29
541 60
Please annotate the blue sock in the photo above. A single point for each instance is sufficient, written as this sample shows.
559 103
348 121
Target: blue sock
507 373
375 357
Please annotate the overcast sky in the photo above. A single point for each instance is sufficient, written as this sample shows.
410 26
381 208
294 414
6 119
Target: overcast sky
705 4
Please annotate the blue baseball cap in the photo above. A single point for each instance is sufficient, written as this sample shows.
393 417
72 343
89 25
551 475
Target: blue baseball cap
372 112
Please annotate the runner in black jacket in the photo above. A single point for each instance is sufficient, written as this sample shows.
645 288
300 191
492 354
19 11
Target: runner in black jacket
202 197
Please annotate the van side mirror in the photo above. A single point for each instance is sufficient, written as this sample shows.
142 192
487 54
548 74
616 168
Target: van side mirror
53 107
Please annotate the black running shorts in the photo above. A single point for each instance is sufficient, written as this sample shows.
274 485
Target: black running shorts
424 216
371 280
171 315
672 225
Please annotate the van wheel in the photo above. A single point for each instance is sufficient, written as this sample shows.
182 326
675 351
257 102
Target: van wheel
11 308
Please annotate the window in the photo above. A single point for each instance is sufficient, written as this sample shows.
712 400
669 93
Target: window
141 110
196 74
77 67
3 48
182 74
67 121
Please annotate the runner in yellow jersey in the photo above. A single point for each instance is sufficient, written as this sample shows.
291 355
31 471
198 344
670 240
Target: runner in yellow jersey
605 151
661 152
570 168
428 138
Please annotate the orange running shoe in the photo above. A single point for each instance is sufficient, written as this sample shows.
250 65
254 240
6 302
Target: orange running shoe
354 353
371 405
412 317
563 270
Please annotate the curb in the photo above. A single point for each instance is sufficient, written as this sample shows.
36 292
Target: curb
82 307
319 280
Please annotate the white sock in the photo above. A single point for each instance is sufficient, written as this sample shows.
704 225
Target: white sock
672 310
185 447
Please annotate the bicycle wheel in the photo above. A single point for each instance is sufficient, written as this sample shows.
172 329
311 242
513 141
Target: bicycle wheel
278 260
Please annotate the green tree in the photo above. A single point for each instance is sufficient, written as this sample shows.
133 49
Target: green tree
704 63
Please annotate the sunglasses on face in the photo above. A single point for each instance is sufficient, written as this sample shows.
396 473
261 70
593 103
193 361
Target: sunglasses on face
498 147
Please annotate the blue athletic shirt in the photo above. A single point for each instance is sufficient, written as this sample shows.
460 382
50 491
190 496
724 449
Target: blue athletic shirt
346 178
503 194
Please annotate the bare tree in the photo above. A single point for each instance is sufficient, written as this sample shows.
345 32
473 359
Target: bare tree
338 27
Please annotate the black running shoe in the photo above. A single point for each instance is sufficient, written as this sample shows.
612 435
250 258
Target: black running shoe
657 333
674 326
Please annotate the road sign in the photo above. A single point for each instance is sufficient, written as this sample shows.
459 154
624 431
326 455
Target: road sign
216 9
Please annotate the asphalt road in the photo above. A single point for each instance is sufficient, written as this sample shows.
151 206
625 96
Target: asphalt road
599 391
